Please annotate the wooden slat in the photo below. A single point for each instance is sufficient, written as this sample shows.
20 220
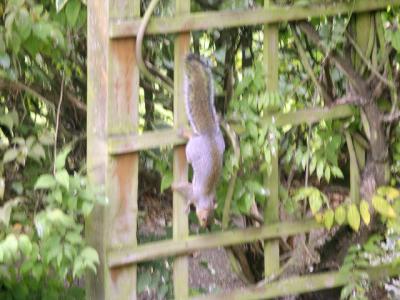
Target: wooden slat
307 116
300 284
180 167
122 171
225 19
271 208
121 256
147 140
97 86
135 142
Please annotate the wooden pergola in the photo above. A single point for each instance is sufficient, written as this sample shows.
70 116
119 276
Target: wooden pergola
114 145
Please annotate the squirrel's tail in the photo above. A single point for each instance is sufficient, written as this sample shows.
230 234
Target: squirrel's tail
199 90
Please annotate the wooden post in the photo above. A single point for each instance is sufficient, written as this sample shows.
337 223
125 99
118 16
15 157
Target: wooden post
113 91
180 168
271 209
97 87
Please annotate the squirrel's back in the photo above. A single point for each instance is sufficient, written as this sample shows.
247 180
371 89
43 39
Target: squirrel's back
200 96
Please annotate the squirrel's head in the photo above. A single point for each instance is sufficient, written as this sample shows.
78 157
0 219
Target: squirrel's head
205 210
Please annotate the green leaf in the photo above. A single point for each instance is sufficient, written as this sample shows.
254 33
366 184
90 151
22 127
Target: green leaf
320 169
166 181
23 23
364 211
389 192
42 31
328 218
313 164
5 61
57 194
7 121
72 11
340 215
256 187
327 173
336 172
5 210
45 181
245 202
62 178
383 207
37 152
46 138
61 157
90 254
74 238
396 40
87 208
60 4
37 271
10 155
11 244
315 202
25 244
353 217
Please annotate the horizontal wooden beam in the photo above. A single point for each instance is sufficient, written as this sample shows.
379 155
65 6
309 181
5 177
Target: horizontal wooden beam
135 142
300 284
225 19
308 116
170 137
122 256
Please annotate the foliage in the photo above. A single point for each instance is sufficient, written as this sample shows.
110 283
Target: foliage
42 249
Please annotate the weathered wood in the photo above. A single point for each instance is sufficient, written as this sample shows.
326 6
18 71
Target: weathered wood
225 19
97 86
271 207
300 284
120 144
121 256
309 116
180 218
122 171
113 91
147 140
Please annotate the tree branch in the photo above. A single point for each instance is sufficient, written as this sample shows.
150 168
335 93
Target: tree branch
344 64
308 67
19 86
367 62
394 116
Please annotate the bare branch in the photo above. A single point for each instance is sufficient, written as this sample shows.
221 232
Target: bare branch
308 67
344 64
19 86
394 116
367 62
58 123
350 99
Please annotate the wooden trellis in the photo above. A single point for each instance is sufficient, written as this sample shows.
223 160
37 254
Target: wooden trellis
114 145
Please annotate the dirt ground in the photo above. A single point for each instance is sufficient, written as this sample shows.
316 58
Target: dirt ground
209 270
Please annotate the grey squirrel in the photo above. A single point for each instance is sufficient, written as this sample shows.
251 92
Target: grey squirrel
205 148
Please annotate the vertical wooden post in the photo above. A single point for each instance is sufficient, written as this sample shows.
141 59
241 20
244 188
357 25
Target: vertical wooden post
97 86
180 219
113 91
271 209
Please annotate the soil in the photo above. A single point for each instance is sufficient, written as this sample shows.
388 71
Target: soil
209 270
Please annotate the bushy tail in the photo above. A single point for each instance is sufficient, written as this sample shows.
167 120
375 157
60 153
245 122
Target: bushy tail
199 90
